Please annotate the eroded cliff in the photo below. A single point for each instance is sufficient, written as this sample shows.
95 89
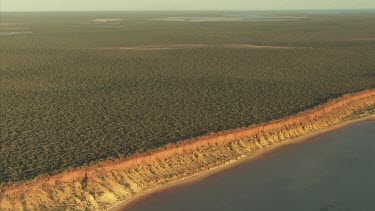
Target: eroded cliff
102 186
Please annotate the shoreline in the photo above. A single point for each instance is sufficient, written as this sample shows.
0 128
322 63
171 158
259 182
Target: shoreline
121 206
114 185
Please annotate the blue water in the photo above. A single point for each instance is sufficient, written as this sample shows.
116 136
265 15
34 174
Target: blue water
332 172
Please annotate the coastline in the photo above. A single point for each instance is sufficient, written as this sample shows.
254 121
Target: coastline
115 184
122 206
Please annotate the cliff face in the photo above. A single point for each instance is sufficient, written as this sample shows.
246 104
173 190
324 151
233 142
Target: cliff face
102 186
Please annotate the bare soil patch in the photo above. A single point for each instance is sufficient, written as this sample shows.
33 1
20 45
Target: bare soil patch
196 46
233 18
14 33
9 24
164 47
363 39
260 46
106 20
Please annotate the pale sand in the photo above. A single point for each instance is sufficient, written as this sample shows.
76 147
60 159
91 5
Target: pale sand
229 164
105 20
198 46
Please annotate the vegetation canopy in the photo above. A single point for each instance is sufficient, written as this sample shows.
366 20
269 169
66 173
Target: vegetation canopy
73 93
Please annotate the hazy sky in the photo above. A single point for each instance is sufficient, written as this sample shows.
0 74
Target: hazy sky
54 5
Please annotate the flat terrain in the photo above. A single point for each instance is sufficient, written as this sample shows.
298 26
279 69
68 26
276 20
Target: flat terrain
72 94
195 46
105 20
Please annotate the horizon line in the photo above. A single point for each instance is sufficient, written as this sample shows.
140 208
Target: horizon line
192 10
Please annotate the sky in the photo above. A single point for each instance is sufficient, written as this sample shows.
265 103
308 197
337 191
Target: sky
94 5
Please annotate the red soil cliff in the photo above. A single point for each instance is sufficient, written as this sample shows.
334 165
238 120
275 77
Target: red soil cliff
105 184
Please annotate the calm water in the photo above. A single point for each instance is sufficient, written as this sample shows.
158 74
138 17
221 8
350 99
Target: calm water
332 172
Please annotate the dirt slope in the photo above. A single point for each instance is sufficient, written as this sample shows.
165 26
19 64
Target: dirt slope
102 186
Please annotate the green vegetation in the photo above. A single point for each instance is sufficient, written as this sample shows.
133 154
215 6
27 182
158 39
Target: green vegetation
70 97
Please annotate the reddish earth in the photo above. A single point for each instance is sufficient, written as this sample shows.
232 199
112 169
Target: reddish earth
107 183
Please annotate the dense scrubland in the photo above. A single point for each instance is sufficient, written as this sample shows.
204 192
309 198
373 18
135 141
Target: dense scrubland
71 97
104 185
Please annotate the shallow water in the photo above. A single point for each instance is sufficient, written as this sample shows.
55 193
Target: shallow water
334 171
